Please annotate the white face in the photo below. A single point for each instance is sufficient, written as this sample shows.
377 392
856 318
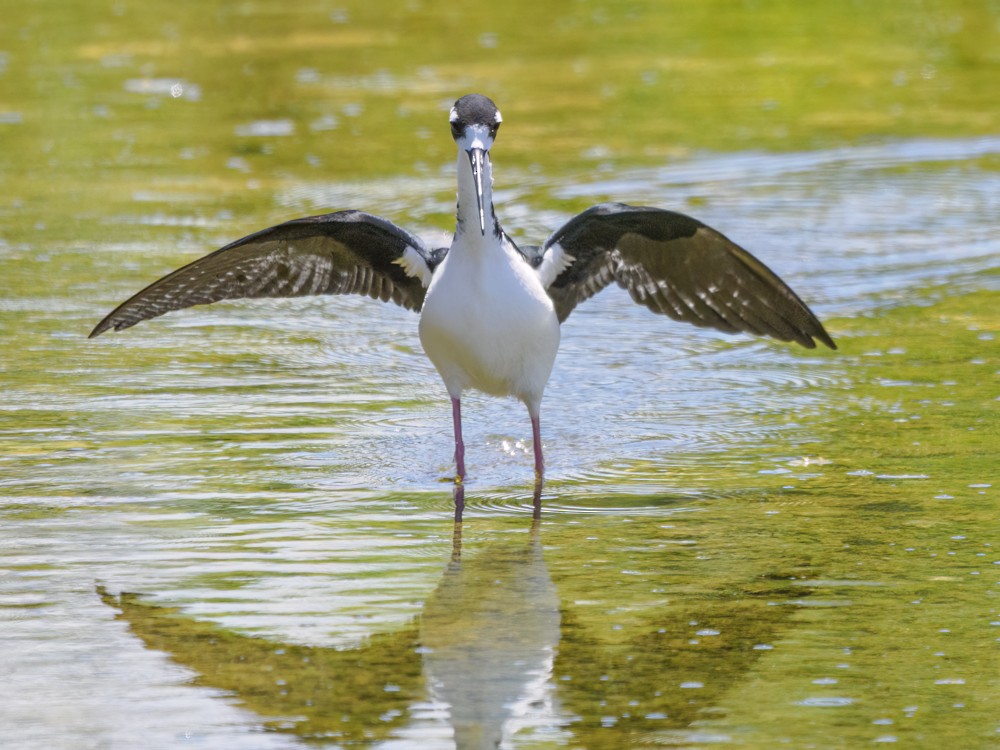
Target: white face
476 136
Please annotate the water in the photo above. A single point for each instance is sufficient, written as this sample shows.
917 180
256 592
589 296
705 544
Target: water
231 527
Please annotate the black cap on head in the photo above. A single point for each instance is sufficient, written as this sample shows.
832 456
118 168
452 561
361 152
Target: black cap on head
474 109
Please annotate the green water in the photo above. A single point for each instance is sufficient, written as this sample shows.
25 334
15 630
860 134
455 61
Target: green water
231 527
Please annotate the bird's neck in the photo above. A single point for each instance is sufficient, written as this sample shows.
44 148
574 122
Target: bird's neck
468 207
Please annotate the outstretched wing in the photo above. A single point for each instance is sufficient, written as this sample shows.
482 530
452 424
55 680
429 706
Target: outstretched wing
674 265
347 252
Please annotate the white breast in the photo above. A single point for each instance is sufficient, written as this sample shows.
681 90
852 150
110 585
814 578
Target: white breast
487 323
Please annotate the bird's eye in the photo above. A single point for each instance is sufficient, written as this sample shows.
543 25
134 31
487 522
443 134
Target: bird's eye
493 130
457 128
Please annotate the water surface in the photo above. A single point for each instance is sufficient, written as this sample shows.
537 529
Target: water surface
231 527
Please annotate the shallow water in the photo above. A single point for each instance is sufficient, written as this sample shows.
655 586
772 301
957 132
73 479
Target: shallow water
231 527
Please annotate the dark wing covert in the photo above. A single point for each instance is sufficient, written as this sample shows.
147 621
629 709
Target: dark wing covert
676 265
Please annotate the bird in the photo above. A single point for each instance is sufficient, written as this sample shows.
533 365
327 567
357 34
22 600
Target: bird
490 311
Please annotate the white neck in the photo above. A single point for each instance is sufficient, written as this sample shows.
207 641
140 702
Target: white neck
468 207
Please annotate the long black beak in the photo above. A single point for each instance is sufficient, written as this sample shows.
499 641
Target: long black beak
477 157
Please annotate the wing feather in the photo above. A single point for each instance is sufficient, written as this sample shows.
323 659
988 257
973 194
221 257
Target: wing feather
675 265
346 252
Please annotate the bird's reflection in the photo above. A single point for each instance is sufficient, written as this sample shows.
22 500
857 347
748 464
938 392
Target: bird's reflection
495 651
490 634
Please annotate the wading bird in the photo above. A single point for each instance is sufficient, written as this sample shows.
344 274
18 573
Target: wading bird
490 311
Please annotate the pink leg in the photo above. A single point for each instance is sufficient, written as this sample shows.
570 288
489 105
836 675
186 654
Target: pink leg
536 435
456 417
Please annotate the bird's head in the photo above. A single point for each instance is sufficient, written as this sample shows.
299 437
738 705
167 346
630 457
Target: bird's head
475 121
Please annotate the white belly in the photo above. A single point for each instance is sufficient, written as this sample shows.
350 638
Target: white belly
488 324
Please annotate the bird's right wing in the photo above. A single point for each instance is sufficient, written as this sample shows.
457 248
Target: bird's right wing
346 252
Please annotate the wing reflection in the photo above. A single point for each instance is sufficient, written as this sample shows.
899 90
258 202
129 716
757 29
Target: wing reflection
350 696
672 675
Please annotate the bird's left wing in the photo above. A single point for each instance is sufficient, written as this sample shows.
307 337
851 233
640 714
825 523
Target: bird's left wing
346 252
675 265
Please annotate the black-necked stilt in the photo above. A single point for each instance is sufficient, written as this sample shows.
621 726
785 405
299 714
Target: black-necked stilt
489 310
